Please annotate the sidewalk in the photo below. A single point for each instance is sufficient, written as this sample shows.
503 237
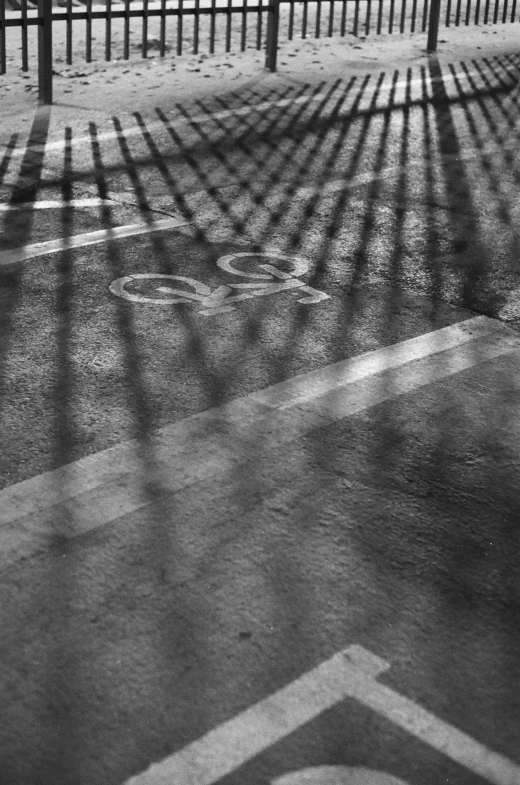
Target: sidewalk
103 88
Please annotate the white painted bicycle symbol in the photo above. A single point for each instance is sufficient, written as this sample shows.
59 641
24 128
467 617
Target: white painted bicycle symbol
271 280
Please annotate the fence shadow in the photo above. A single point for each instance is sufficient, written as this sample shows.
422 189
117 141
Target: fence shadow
373 180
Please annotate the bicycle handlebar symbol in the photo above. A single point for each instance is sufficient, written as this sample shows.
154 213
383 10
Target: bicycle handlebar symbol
271 280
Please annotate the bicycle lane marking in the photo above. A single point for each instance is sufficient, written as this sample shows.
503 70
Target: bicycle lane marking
101 488
351 673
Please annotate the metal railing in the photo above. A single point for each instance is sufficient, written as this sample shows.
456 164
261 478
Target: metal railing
331 17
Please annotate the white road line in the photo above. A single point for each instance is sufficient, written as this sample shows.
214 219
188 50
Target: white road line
350 673
99 489
443 737
89 238
225 113
511 310
56 204
26 252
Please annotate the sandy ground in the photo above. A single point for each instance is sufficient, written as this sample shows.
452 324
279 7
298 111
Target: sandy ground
128 85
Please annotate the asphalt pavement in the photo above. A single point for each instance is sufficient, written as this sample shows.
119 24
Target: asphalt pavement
259 482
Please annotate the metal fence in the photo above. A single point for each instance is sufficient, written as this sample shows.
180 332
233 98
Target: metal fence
260 25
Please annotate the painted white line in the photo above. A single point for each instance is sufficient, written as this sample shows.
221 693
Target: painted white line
89 238
351 673
27 252
55 204
466 337
233 743
511 310
443 737
100 489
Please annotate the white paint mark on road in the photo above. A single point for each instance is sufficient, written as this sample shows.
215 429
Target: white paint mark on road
351 673
55 204
26 252
511 310
218 300
102 488
338 775
233 743
467 338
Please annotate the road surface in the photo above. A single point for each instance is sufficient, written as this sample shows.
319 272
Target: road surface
259 470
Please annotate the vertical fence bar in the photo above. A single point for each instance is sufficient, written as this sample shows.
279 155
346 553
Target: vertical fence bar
457 13
212 28
403 15
144 37
380 17
244 27
291 20
367 18
468 11
356 18
486 12
391 21
477 11
68 55
196 27
495 14
88 36
504 15
318 19
433 26
259 23
304 20
25 59
343 17
108 30
273 21
331 19
126 34
3 55
162 31
448 13
45 51
228 26
425 16
513 11
414 14
180 25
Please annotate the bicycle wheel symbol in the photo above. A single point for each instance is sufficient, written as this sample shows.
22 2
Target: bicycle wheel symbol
300 266
338 775
199 293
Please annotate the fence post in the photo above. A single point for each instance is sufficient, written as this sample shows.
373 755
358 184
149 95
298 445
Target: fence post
273 20
45 51
433 25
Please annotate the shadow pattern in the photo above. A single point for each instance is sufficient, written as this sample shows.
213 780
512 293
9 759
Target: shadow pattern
403 192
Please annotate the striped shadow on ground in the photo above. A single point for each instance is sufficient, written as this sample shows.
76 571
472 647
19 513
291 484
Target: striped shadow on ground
101 488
